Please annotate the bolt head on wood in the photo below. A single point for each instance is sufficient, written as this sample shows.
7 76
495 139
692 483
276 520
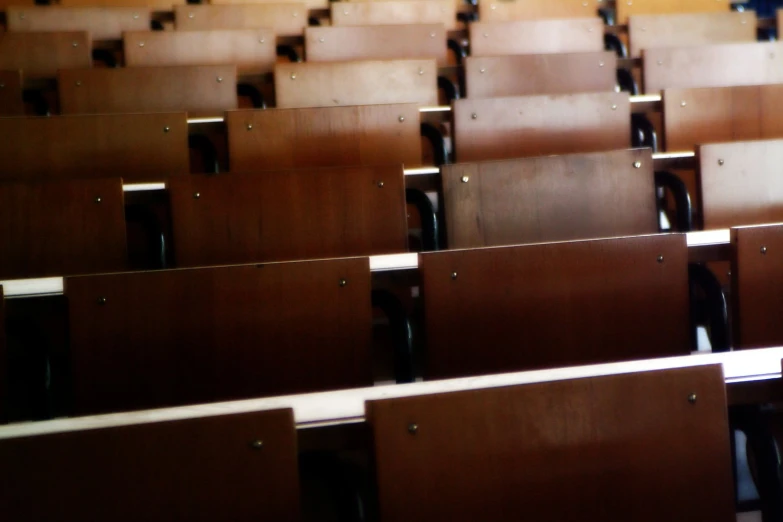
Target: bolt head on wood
763 250
101 301
257 444
454 275
660 259
692 398
342 283
413 428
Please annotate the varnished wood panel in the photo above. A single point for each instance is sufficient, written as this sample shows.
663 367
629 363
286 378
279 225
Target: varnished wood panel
501 128
180 337
380 42
311 4
628 9
300 85
591 449
679 30
522 75
507 11
394 12
60 228
552 198
157 5
285 19
41 55
557 304
251 50
11 102
536 37
207 90
323 137
288 215
716 65
719 114
137 147
103 23
201 469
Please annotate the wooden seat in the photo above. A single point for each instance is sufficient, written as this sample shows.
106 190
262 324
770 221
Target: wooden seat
103 23
554 198
507 11
138 147
287 215
379 42
62 227
323 137
41 55
11 101
626 10
200 90
522 75
285 19
251 50
156 5
536 37
579 449
311 4
393 12
501 128
336 84
153 339
190 469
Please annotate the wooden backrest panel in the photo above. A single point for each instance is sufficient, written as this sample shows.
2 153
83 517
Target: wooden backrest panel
554 451
285 19
395 12
323 137
378 42
180 337
157 5
720 114
11 101
251 50
103 23
63 227
524 126
552 198
507 11
679 30
740 183
137 147
536 37
522 75
717 65
196 469
557 304
200 90
311 4
336 84
41 55
287 215
625 10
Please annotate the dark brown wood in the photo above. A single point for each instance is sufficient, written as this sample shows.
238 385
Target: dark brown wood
136 146
625 10
536 37
507 11
63 227
553 198
557 304
207 90
527 126
166 338
285 19
585 449
41 55
522 75
201 469
755 392
103 23
11 103
394 12
323 137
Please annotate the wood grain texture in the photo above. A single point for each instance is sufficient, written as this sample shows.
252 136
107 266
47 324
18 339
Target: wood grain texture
311 4
134 146
41 55
536 37
720 114
679 30
157 5
337 84
552 198
251 50
523 75
379 42
507 11
60 228
11 101
553 452
288 215
552 305
207 90
740 183
179 337
103 23
525 126
716 65
196 469
394 12
627 9
3 362
323 137
285 19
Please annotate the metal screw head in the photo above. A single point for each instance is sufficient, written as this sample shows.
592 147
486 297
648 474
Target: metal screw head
474 116
380 184
589 29
482 70
261 40
614 107
493 7
721 162
421 71
692 398
637 164
432 35
293 76
659 62
249 126
401 119
219 79
763 250
342 283
322 40
141 44
413 428
295 14
485 35
345 13
660 259
454 275
75 44
257 444
191 15
166 129
78 83
101 301
683 103
197 195
465 179
98 199
600 64
135 16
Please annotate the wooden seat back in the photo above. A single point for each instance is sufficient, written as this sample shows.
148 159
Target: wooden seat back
311 4
155 5
11 100
285 19
536 37
190 469
323 137
103 23
165 338
627 10
41 55
507 11
552 451
395 12
524 126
